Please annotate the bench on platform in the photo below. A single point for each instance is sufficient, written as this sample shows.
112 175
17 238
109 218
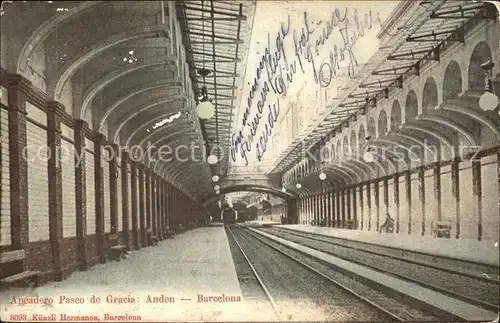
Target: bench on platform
349 224
167 233
21 279
116 251
152 239
441 229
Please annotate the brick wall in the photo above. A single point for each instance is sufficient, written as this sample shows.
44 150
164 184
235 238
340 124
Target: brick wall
37 175
5 238
68 182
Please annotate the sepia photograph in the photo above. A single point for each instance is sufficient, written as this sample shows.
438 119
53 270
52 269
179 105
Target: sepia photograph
250 161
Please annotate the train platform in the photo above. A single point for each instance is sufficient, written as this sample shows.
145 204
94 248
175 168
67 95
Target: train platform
481 252
189 278
404 289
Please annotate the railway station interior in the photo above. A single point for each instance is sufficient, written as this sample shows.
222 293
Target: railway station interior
250 160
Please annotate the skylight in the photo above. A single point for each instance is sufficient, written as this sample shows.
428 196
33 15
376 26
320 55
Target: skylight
169 119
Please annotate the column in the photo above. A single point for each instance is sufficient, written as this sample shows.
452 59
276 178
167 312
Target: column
421 192
135 204
17 89
339 213
344 211
396 200
369 203
362 205
125 208
159 223
478 196
142 204
377 204
154 222
113 173
354 211
54 112
99 142
147 175
408 198
81 195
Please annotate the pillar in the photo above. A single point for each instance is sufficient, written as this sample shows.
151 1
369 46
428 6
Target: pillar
437 190
338 222
408 198
125 208
113 191
54 113
354 211
369 203
478 196
362 205
147 179
154 221
142 206
377 204
396 200
135 205
421 193
159 223
18 88
81 194
99 143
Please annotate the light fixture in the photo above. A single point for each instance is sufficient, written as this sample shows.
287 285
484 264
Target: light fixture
298 186
368 157
217 187
283 190
215 178
205 109
322 176
212 159
488 101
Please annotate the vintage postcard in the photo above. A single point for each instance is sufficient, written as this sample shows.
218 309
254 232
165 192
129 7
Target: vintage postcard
250 161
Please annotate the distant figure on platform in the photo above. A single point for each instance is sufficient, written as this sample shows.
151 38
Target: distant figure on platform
388 226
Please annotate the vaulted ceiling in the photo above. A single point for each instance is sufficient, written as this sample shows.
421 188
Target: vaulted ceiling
127 66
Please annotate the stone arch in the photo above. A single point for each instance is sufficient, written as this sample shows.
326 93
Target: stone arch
354 143
345 146
452 82
396 118
325 153
372 128
361 136
480 55
411 106
429 94
382 123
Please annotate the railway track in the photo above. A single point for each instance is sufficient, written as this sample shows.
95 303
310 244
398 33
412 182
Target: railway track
479 291
354 295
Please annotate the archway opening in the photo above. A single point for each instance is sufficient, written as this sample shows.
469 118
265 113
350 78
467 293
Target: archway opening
382 123
429 94
452 82
411 106
372 129
345 144
395 115
480 55
361 137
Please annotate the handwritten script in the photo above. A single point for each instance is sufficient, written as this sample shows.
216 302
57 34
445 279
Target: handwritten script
281 71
